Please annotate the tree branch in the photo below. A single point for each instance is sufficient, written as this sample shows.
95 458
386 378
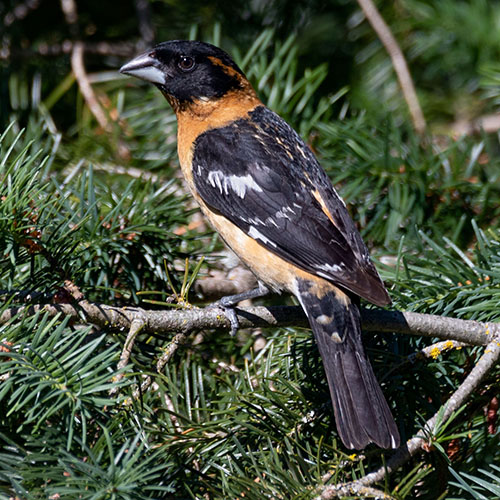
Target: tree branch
429 325
398 61
488 123
119 49
78 67
356 490
406 451
188 320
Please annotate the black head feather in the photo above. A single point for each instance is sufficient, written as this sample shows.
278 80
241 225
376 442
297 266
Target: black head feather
188 70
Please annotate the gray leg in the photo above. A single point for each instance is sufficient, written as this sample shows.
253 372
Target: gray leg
228 303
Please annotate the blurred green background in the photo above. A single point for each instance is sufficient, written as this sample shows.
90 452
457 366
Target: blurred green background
100 202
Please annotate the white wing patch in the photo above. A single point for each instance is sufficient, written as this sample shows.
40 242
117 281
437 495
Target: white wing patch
241 184
335 268
259 222
257 235
282 214
238 184
270 220
328 270
216 178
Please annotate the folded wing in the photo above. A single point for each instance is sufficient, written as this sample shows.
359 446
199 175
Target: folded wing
259 174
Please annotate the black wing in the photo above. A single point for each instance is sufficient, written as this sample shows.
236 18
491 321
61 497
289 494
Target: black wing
259 174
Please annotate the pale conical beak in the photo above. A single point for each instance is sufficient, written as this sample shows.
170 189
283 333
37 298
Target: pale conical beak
146 67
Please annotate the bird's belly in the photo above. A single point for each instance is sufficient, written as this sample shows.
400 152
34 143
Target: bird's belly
272 270
267 267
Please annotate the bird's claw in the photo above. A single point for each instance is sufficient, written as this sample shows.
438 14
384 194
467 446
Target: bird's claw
227 304
230 313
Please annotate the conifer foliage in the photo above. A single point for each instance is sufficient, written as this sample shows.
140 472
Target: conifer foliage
93 210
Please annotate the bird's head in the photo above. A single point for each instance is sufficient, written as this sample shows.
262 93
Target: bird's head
188 71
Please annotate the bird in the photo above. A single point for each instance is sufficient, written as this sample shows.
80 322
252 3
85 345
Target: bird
264 191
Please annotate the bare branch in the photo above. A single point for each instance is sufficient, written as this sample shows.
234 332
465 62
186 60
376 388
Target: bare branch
118 49
169 351
488 123
80 73
398 61
136 326
221 283
357 490
429 325
406 451
78 67
187 321
435 350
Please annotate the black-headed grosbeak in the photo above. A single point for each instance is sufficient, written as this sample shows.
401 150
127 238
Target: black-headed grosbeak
264 191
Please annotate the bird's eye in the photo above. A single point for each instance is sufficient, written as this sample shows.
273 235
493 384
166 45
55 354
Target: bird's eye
186 63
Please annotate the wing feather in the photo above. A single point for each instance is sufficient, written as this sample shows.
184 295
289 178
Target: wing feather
258 173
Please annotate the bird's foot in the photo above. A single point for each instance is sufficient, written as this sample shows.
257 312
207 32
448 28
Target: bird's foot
227 305
229 313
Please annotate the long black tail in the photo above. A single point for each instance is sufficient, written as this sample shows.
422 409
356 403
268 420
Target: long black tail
361 411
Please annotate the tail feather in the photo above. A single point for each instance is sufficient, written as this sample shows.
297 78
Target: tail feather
361 411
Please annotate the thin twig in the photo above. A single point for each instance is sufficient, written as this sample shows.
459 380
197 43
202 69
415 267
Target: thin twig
406 451
435 350
78 67
430 351
488 123
169 351
357 490
136 326
119 49
398 61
